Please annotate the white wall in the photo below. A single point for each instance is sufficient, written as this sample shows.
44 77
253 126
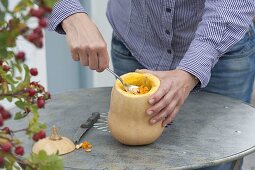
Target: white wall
98 10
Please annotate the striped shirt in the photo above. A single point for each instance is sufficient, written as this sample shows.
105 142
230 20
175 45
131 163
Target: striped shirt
189 35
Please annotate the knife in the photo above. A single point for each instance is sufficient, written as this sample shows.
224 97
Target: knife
84 127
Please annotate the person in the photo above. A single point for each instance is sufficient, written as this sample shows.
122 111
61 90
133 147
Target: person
187 44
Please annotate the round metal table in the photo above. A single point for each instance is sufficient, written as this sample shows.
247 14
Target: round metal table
209 129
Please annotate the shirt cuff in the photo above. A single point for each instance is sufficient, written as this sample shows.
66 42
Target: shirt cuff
199 61
61 10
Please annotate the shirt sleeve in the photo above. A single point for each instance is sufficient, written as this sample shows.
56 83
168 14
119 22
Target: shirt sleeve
223 24
61 10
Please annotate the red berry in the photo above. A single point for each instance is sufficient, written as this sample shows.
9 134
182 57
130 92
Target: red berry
32 37
1 161
39 43
37 12
20 56
31 92
1 80
1 121
40 103
40 98
6 147
47 96
6 130
38 31
33 71
47 9
6 68
43 22
41 134
6 114
35 137
1 108
19 150
32 12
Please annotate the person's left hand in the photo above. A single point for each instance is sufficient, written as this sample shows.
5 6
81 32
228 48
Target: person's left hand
175 86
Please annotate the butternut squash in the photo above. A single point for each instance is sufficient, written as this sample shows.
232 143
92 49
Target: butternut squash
127 118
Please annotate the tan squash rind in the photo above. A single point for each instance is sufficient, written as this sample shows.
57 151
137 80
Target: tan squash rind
127 118
54 144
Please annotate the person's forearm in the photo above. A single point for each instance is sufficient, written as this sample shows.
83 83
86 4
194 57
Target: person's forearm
223 24
61 10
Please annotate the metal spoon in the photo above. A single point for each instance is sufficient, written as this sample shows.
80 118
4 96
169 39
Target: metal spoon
129 88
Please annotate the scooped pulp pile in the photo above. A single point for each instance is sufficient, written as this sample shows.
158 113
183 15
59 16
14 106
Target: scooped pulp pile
144 85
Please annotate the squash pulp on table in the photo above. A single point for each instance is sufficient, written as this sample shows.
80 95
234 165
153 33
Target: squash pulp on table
127 118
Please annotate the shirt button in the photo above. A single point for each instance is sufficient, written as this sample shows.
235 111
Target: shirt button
169 51
167 32
168 10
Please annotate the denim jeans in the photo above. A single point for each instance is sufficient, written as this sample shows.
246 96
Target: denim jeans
232 76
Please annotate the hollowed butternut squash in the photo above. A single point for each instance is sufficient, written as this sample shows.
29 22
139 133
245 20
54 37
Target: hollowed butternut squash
127 118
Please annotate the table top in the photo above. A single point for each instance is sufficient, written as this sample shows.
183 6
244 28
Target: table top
208 130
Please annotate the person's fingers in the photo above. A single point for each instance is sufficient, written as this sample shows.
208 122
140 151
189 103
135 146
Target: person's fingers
160 93
93 59
84 56
169 104
171 116
165 100
86 42
103 58
75 54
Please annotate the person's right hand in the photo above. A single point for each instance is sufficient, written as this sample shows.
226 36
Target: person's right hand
86 42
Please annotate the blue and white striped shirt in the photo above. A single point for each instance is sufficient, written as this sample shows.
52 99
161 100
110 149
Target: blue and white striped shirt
166 34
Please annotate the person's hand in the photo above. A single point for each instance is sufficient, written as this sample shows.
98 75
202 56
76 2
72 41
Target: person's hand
174 88
86 42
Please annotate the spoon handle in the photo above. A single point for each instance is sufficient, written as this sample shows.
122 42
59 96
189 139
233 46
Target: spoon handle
118 77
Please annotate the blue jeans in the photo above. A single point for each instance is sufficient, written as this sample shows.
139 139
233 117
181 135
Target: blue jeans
232 76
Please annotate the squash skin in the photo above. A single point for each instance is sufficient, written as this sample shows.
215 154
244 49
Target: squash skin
127 118
62 146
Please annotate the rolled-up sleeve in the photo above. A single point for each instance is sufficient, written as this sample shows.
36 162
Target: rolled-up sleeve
223 24
61 10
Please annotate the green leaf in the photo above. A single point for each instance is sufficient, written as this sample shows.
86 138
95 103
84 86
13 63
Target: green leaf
27 75
26 80
50 3
5 3
16 167
18 78
3 46
10 79
43 126
5 87
10 54
9 161
2 16
9 98
20 104
45 162
19 67
22 5
18 116
34 109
